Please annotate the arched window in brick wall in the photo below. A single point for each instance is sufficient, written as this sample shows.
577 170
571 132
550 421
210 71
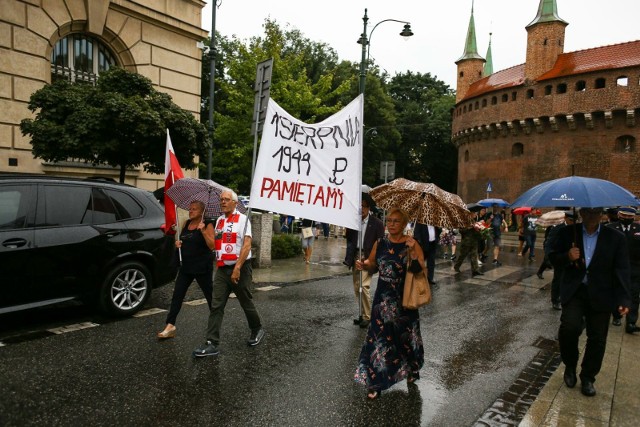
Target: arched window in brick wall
581 86
622 81
517 150
466 155
530 93
514 96
548 89
78 57
561 88
601 83
484 102
477 105
505 97
494 100
461 73
625 144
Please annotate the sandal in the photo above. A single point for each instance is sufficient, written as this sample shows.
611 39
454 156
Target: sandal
167 333
373 394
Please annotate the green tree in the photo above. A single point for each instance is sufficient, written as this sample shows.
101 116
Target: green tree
423 105
121 122
305 82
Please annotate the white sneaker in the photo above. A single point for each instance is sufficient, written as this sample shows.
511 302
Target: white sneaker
479 262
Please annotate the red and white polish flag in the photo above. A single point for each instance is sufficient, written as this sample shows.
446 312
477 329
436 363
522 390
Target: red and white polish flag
172 173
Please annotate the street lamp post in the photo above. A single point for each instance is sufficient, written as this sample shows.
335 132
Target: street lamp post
212 82
366 43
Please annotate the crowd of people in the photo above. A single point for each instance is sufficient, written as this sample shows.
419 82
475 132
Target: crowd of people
595 263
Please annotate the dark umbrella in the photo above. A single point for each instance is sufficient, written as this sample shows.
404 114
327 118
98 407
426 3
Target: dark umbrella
576 192
474 207
187 190
487 203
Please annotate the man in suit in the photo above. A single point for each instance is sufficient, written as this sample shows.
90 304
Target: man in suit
595 280
428 236
372 230
631 230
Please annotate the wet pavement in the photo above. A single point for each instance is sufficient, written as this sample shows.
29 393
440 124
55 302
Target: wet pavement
490 359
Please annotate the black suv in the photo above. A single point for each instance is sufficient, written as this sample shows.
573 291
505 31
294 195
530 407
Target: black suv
91 239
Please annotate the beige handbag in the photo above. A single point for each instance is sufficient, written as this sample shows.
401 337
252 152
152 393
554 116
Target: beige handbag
416 289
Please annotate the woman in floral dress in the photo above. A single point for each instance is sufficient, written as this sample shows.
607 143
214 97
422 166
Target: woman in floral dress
393 348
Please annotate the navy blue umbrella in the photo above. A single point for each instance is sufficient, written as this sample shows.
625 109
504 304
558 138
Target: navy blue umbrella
487 203
576 192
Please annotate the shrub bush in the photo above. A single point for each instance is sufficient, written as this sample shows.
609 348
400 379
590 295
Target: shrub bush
285 246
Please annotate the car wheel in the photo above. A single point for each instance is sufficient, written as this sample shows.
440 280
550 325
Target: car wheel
125 289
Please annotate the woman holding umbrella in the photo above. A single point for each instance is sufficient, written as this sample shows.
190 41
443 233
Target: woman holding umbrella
196 244
393 348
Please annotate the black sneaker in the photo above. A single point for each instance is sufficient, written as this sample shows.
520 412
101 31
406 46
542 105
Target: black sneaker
453 257
497 263
208 349
256 337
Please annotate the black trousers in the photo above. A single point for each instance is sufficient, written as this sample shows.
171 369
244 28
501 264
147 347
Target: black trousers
430 256
597 325
183 281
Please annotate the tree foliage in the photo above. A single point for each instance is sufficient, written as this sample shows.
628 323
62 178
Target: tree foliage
121 122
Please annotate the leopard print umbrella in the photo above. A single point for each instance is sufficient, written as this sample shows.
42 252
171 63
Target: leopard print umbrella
425 203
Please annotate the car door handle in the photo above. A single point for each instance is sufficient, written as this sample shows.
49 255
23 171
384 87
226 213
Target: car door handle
14 243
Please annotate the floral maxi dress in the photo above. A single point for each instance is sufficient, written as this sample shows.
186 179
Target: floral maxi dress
393 347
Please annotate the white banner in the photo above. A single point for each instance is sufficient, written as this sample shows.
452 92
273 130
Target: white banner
311 171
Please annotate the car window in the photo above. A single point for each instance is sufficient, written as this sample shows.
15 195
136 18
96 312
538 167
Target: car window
14 206
125 205
102 211
67 205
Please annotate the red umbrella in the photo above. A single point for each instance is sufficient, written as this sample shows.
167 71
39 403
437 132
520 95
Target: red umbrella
522 210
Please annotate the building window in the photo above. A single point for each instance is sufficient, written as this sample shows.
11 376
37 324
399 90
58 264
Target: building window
477 105
484 102
494 100
514 96
601 83
625 144
517 150
505 97
561 88
461 73
529 93
464 108
78 57
581 86
622 81
466 155
547 89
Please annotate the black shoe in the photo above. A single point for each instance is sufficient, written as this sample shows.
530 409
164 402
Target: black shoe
434 286
256 337
631 328
557 306
483 258
357 321
208 349
587 388
365 323
456 269
497 263
477 273
532 259
570 378
432 283
540 276
616 322
453 257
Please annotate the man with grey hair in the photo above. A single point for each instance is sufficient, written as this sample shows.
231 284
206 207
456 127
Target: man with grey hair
233 274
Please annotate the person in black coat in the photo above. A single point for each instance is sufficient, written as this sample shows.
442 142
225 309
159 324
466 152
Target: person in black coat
372 231
631 230
428 236
595 281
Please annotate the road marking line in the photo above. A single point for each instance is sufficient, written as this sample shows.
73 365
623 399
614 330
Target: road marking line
267 288
149 312
196 301
72 328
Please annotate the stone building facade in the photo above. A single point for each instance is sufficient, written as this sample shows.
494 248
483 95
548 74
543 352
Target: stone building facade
41 40
556 115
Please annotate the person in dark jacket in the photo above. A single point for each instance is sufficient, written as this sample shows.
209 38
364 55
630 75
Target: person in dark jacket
428 237
595 281
372 231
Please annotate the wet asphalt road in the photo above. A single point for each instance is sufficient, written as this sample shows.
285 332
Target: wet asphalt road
478 334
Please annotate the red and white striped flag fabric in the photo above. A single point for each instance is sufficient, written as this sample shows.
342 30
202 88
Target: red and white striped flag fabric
172 173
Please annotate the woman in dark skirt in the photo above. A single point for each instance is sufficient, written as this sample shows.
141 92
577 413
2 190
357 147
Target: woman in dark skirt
393 348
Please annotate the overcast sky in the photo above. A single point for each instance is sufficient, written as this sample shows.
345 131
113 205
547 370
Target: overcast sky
440 27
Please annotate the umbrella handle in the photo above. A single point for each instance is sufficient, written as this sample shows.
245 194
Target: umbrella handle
180 255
